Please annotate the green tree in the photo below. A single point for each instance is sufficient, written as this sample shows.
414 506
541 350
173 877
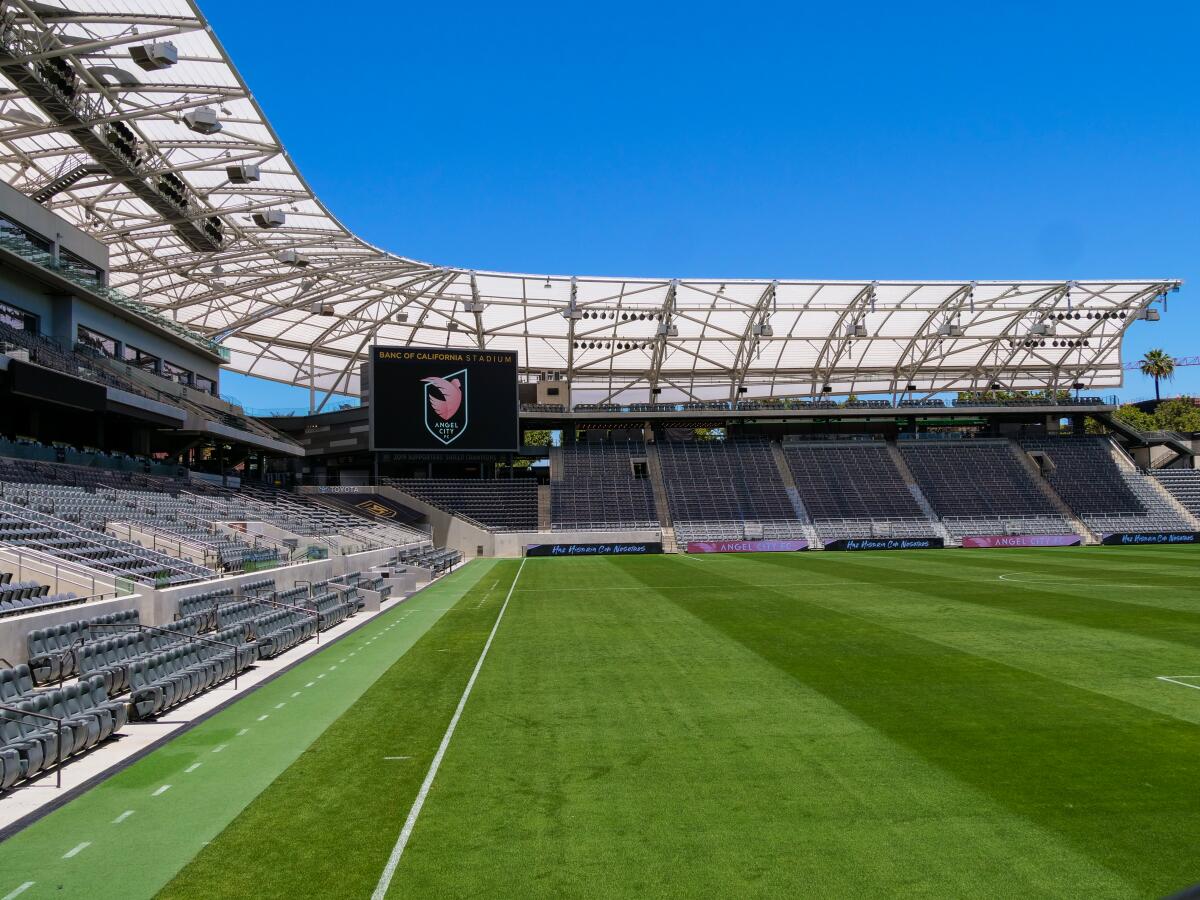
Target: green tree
1157 365
1131 415
1180 414
537 437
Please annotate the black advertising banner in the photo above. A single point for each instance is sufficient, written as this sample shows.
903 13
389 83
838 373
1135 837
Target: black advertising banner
1130 538
633 548
929 543
431 400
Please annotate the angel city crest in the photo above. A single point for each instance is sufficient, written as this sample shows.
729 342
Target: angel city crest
446 406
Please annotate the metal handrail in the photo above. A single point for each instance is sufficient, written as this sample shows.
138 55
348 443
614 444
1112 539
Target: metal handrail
303 609
58 757
186 637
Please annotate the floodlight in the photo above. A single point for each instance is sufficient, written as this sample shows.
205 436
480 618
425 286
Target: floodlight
242 173
293 258
154 56
269 218
202 121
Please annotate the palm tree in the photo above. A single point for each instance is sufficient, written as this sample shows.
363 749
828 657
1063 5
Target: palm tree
1157 365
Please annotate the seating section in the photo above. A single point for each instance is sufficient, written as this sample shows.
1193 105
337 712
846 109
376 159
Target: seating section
437 561
67 511
499 504
203 607
854 490
170 677
1107 496
598 488
49 727
1183 485
282 630
19 597
54 651
981 487
714 488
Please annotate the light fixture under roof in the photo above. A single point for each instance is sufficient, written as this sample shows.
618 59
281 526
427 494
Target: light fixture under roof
155 55
242 173
269 218
203 120
293 258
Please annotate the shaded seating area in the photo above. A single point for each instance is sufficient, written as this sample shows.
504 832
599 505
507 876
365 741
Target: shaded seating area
716 488
499 504
854 490
981 487
599 488
1108 496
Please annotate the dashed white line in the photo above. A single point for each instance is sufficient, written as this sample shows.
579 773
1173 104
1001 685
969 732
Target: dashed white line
322 675
161 790
77 849
122 817
281 705
331 668
192 768
310 684
219 748
243 731
264 716
295 694
342 660
20 890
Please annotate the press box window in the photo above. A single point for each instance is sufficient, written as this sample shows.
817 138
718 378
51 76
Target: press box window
17 319
178 374
140 358
94 340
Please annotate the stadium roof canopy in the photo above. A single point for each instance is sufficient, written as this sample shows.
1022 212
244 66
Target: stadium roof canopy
164 155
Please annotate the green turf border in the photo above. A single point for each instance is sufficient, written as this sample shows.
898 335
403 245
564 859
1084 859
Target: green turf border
169 826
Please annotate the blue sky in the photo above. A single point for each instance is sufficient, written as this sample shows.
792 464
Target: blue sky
866 140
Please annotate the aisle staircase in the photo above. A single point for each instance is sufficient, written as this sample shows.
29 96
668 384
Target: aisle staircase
918 495
661 507
1052 495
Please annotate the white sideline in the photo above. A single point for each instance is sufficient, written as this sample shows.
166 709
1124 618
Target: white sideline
1174 679
385 880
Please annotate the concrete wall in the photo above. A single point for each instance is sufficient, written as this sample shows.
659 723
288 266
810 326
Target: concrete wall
14 630
510 544
61 577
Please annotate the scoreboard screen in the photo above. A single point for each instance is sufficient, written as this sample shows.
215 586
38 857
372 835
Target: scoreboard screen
438 399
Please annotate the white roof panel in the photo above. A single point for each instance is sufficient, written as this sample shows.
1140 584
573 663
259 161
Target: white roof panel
696 338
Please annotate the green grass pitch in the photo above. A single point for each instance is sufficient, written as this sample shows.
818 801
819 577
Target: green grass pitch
928 724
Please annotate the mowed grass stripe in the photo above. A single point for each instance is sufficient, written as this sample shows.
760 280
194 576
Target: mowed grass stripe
239 756
1068 760
623 747
326 826
1040 601
1085 657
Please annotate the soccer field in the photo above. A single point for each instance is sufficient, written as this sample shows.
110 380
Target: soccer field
934 723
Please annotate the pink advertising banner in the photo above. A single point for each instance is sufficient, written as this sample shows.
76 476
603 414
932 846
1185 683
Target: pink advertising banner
1021 540
745 546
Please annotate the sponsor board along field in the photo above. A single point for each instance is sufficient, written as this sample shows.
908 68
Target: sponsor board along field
1019 722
